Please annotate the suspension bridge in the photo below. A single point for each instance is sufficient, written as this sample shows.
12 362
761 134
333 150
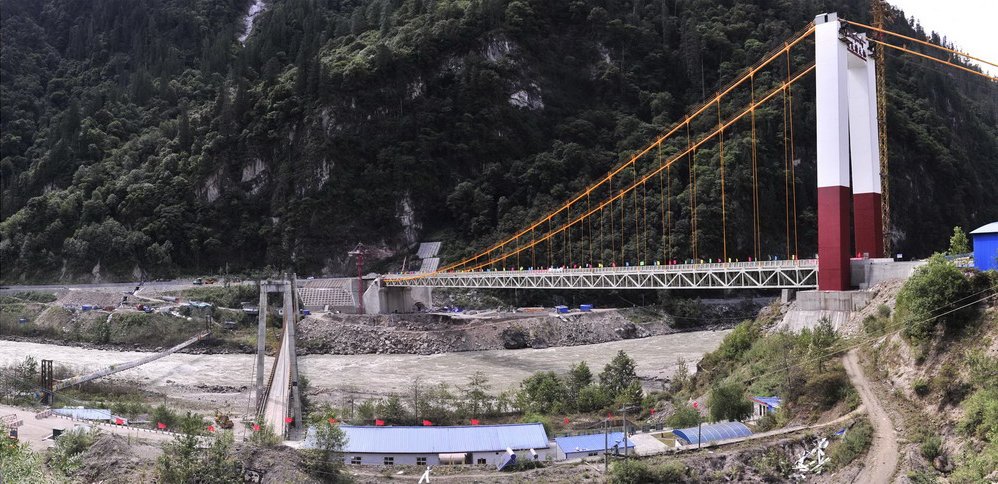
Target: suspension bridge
652 221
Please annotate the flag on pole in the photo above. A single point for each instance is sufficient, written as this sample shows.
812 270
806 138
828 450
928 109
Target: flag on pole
119 421
653 411
161 425
332 421
427 423
256 427
379 422
211 428
288 419
566 420
474 421
696 404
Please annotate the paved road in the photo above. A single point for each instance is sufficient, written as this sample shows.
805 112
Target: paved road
882 460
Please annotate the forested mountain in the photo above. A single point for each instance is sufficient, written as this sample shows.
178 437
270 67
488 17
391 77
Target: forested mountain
145 135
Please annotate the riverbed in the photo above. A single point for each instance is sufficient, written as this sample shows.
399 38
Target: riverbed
225 380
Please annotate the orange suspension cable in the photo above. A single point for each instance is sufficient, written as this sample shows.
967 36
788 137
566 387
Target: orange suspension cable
623 192
923 42
902 49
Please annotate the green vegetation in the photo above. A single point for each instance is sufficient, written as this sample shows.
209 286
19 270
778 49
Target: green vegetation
727 402
186 459
325 461
634 471
226 297
934 297
18 464
857 439
67 454
958 243
146 135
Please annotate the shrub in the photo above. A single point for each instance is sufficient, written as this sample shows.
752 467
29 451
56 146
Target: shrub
873 325
932 447
826 389
854 444
980 417
922 301
728 402
883 311
684 416
67 454
920 386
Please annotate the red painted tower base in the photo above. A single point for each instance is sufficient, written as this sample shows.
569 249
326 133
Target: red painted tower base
868 221
833 238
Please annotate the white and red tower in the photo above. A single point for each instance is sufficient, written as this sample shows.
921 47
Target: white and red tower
845 101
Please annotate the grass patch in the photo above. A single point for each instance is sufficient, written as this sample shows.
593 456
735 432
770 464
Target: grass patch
855 443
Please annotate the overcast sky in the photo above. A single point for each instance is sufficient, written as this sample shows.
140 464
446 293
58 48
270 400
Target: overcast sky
969 24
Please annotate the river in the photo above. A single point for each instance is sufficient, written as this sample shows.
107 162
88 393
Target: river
216 380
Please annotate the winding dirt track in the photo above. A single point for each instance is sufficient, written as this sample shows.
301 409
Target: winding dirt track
882 460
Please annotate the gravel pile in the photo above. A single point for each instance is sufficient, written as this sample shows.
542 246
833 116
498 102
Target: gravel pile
353 335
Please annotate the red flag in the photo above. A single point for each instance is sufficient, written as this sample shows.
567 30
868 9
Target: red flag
696 404
211 428
609 415
289 419
653 411
332 421
256 427
379 422
474 421
566 420
427 423
160 425
119 421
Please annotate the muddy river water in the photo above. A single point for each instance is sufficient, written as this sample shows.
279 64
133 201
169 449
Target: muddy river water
198 377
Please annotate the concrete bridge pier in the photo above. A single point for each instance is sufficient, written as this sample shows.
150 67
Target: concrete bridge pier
381 299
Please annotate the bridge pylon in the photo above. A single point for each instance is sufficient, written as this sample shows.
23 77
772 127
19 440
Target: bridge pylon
846 96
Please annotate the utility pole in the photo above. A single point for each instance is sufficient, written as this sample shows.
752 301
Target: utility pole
358 252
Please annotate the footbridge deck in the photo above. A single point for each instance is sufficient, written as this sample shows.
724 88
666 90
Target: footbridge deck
784 274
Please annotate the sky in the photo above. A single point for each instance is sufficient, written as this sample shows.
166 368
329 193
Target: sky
969 24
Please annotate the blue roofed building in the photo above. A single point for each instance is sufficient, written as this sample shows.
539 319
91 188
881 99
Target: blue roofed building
762 406
986 247
592 445
708 433
473 444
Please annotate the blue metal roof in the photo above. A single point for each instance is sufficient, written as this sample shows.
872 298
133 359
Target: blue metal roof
713 432
592 443
439 440
773 402
85 413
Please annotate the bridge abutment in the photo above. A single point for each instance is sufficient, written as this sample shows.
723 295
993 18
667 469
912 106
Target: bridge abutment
381 299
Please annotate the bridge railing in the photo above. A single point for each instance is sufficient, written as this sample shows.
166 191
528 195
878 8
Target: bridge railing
656 267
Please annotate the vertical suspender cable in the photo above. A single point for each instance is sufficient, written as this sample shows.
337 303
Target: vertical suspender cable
756 242
613 227
720 157
786 170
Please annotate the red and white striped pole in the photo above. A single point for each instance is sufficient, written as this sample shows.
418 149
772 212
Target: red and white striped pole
831 103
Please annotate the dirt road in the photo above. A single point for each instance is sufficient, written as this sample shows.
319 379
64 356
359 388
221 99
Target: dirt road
882 459
37 432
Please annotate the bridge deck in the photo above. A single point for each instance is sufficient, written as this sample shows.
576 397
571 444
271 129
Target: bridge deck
785 274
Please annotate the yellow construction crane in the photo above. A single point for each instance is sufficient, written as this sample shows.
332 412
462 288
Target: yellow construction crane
879 9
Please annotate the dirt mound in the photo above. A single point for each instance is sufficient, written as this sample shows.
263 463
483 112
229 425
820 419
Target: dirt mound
272 465
430 334
113 459
78 298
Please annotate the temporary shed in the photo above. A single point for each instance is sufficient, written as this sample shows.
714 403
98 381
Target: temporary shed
986 247
432 445
591 445
84 413
714 432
